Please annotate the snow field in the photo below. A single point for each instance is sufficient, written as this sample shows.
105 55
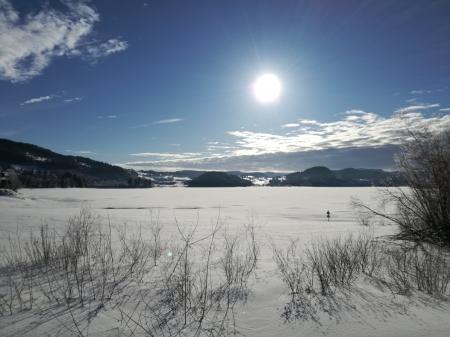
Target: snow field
279 215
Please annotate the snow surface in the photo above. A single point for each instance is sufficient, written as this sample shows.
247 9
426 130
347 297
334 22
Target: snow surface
283 214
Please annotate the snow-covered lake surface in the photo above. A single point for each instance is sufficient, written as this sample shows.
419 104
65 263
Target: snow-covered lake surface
282 213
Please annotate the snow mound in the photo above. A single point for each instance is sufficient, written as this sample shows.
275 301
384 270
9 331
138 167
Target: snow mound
10 193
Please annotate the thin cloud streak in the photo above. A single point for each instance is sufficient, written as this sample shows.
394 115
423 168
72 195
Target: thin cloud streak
81 152
164 121
420 92
418 107
72 99
37 100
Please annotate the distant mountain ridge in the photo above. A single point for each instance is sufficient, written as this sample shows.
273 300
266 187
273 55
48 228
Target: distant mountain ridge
77 171
314 176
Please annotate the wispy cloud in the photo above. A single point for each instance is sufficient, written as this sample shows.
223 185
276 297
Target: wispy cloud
420 92
29 43
37 100
291 125
355 111
308 121
163 121
418 107
172 120
167 156
81 152
72 99
104 49
446 109
9 133
361 139
100 117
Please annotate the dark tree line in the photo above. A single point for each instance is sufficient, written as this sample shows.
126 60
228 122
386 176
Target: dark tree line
139 182
45 179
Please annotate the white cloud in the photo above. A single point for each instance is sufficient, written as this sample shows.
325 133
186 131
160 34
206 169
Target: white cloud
446 109
37 100
81 152
418 107
420 92
168 156
308 121
291 125
100 117
73 99
164 121
367 140
173 120
355 111
104 49
30 43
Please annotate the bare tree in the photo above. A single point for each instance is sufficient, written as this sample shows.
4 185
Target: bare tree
13 183
422 211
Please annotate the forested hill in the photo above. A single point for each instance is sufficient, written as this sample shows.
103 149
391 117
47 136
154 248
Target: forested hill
35 158
323 176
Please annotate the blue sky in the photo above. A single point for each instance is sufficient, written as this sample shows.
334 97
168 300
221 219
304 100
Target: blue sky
167 85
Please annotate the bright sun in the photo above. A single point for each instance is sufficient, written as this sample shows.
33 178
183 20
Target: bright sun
267 88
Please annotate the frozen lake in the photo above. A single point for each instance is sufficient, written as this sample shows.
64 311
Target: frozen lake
290 211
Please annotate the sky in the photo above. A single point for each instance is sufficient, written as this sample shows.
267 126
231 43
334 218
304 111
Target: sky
169 85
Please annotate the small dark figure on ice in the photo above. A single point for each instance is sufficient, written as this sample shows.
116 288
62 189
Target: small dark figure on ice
328 215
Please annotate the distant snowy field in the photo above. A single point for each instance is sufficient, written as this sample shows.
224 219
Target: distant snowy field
282 213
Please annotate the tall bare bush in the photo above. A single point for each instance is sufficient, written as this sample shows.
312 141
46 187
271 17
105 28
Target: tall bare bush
423 210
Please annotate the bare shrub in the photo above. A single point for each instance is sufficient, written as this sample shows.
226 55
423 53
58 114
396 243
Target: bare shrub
364 218
432 270
398 271
328 263
240 255
158 245
426 270
292 269
370 253
82 263
334 262
199 283
422 211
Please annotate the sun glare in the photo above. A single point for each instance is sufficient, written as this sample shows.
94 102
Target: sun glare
267 88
